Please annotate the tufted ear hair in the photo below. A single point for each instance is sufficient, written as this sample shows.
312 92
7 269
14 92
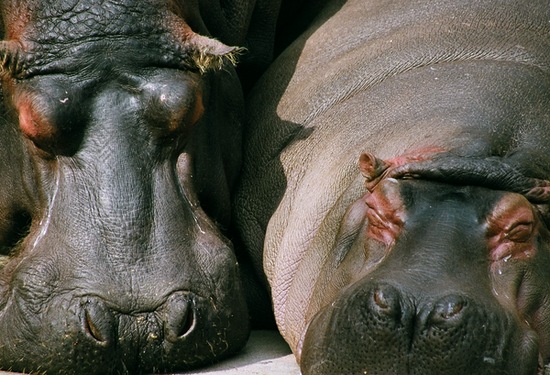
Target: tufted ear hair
11 61
204 53
208 53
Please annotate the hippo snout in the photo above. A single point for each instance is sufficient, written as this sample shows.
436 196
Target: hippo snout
90 334
120 323
391 330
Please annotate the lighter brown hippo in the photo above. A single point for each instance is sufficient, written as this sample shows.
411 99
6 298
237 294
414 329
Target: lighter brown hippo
396 184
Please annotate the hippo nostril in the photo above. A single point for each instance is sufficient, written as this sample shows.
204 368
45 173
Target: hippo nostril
447 309
90 327
98 321
182 322
380 299
385 299
179 316
188 322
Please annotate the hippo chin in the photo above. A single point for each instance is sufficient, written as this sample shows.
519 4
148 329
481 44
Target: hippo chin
120 144
432 257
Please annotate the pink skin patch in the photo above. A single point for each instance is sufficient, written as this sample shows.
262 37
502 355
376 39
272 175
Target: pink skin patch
385 213
375 170
32 123
17 17
512 229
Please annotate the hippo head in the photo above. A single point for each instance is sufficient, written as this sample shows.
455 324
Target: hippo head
120 143
443 279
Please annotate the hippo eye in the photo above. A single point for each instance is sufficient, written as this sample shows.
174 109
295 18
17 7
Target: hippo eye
520 232
174 102
511 228
53 133
49 115
34 124
180 111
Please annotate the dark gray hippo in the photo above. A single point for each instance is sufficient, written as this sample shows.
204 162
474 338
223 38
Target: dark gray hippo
120 143
440 264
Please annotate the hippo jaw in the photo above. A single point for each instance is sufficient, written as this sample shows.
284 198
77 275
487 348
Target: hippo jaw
447 297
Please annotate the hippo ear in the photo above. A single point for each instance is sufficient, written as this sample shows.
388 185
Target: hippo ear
211 53
372 168
10 58
208 53
375 169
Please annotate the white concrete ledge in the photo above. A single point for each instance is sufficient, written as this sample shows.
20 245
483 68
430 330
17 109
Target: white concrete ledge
266 353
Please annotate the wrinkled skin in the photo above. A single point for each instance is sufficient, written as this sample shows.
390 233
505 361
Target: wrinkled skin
429 255
120 144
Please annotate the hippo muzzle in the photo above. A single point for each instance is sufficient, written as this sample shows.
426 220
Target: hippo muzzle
390 331
87 334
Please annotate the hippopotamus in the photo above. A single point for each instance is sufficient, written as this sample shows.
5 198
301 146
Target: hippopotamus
395 188
120 144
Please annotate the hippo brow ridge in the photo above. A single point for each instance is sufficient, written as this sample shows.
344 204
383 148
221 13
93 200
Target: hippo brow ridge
17 63
490 172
